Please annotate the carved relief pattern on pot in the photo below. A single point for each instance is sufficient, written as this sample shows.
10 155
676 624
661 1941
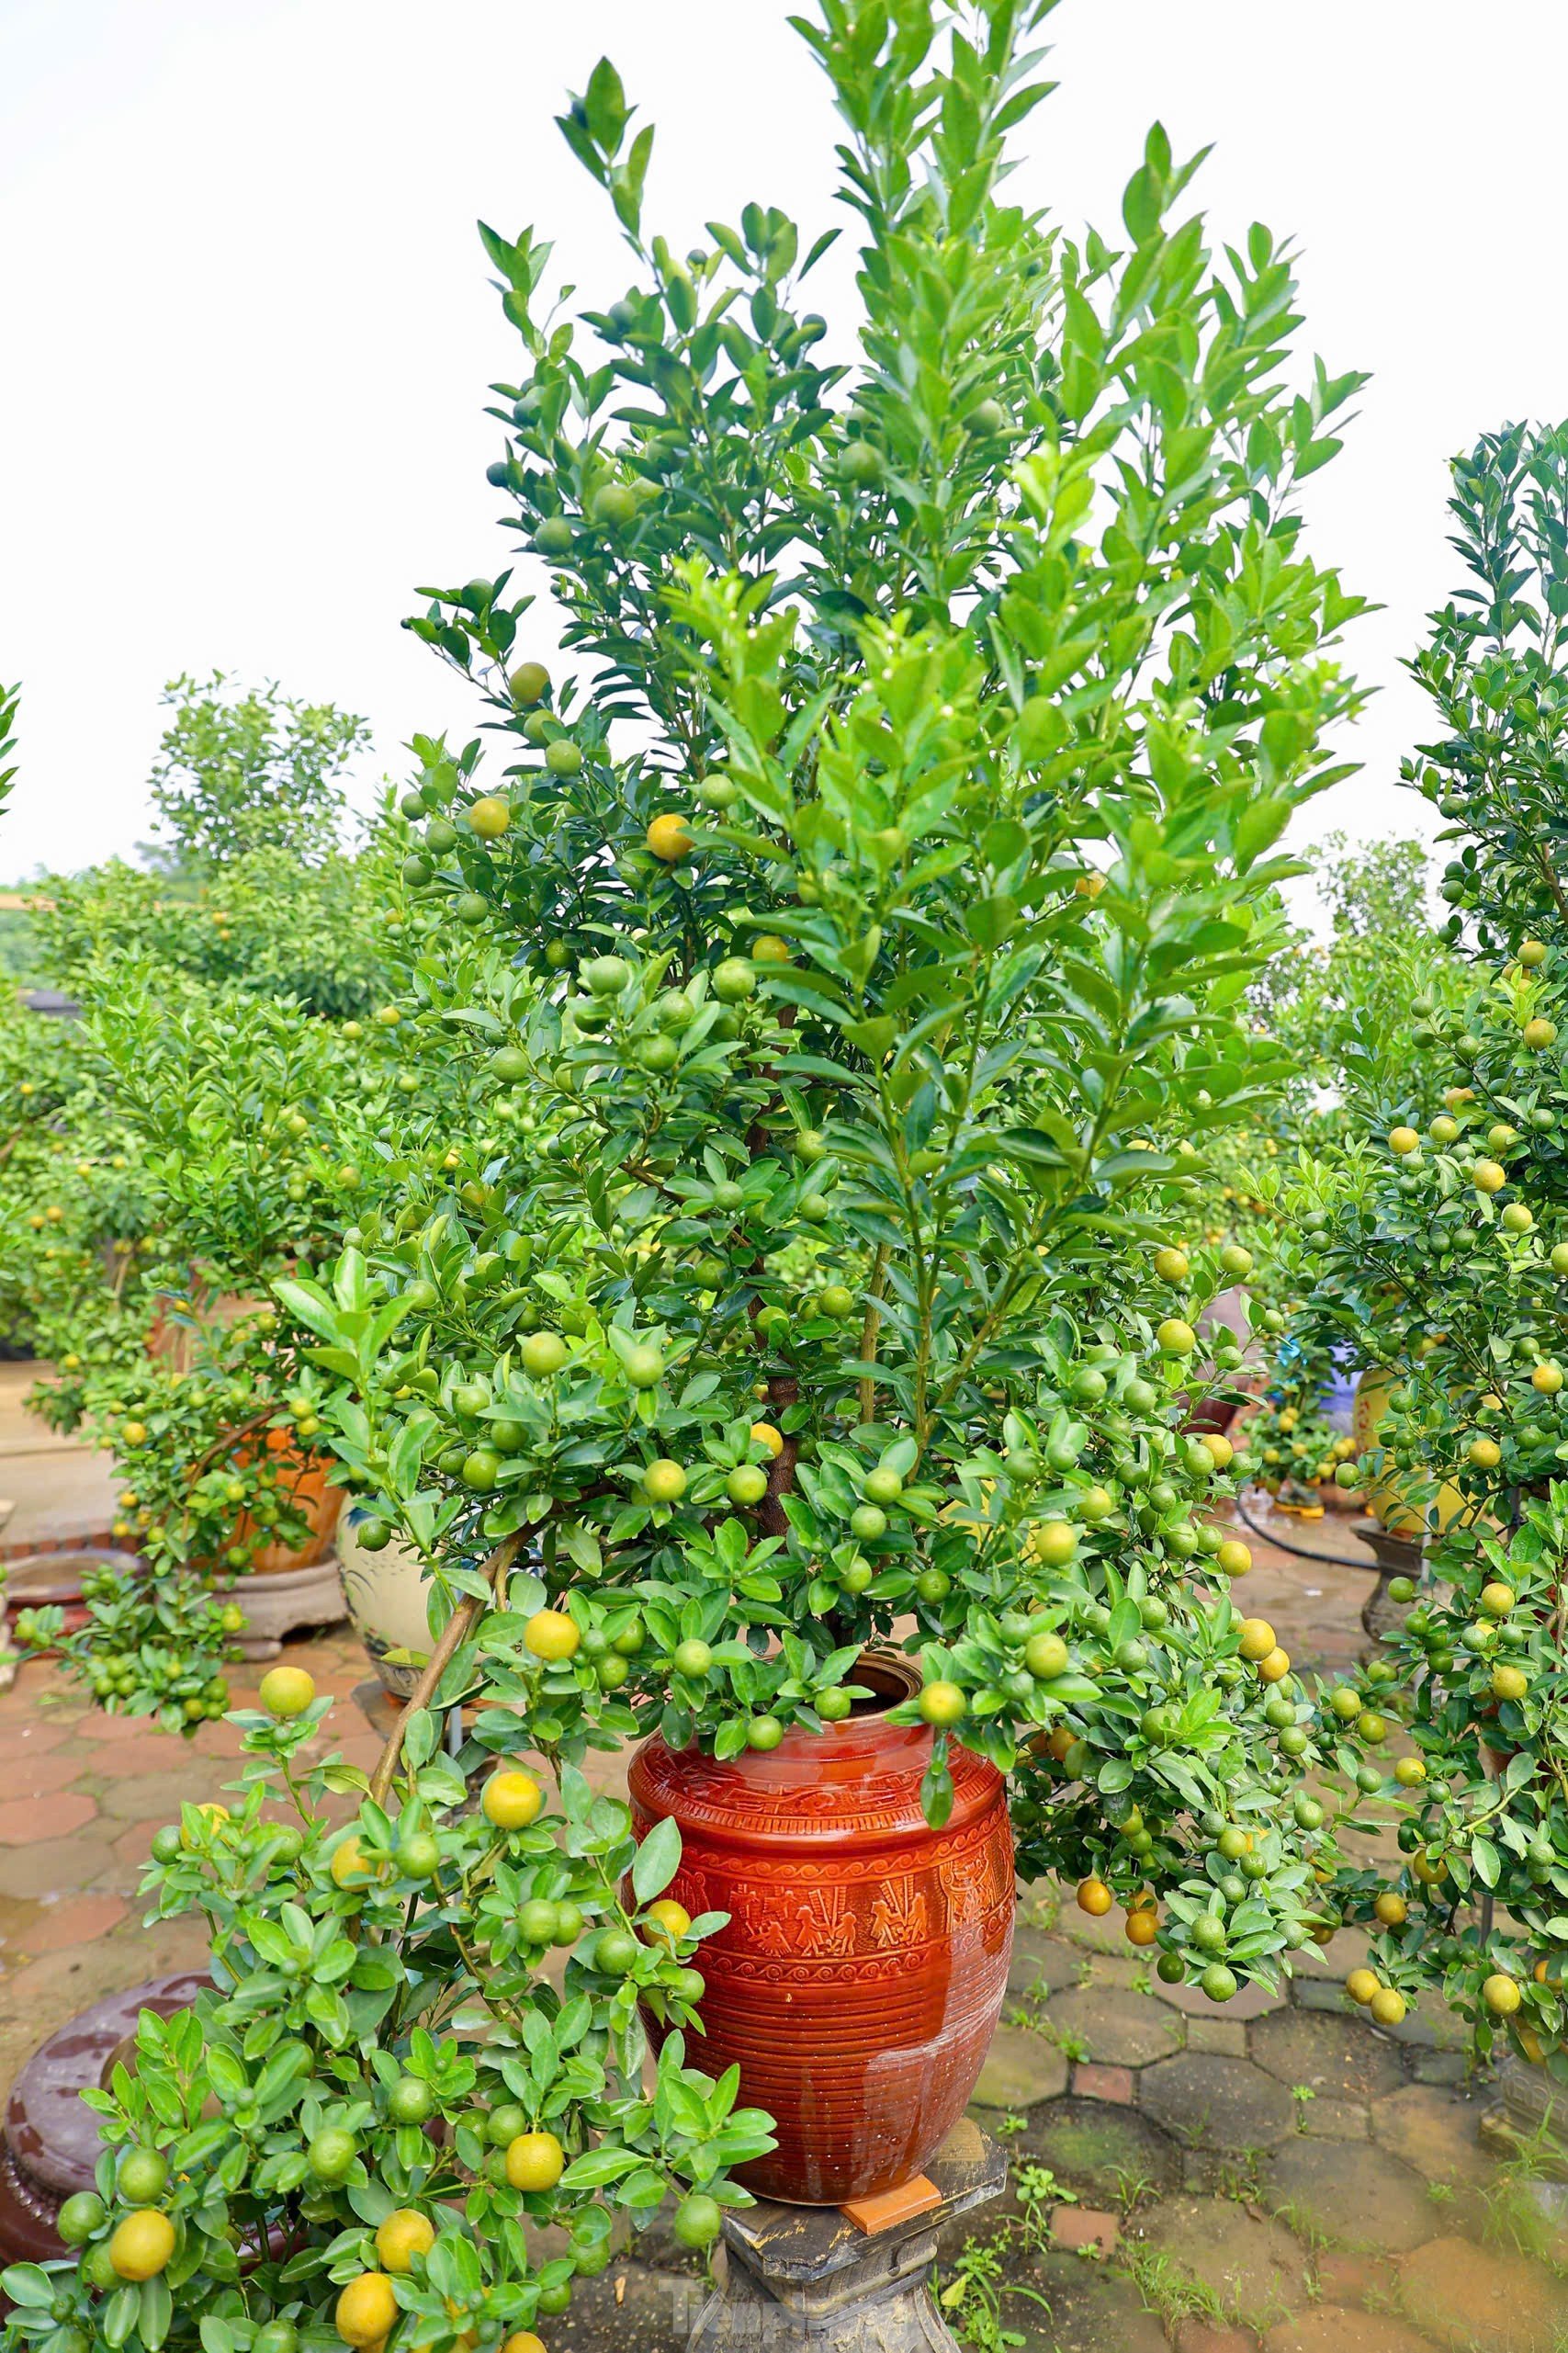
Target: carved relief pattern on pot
817 1920
823 1911
974 1879
899 1913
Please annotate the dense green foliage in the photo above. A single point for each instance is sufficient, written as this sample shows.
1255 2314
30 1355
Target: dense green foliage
1441 1246
1340 1004
1495 668
268 924
874 1008
10 702
209 1124
245 769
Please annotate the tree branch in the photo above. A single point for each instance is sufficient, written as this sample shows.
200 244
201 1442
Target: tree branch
871 1332
452 1639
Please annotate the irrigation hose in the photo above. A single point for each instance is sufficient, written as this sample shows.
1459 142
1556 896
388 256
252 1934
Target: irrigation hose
1300 1552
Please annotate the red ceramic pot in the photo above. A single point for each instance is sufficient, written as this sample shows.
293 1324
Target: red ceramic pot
1212 1419
860 1979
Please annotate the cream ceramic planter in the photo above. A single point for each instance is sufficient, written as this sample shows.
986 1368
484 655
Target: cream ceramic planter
388 1602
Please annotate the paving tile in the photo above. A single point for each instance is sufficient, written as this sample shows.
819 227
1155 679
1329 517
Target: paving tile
19 1914
1331 2328
1433 2129
1085 2309
1048 1962
1076 2227
52 1868
1129 1972
363 1750
347 1721
1478 2301
1245 2258
39 1774
1352 2197
142 1795
31 1737
149 1752
1323 1994
1106 2152
1020 2068
1193 2335
1334 2119
1227 2035
1224 2104
1346 2278
76 1921
1439 2066
1115 2029
81 1973
1114 2085
113 1731
1204 2171
1341 2057
26 1820
39 1999
220 1740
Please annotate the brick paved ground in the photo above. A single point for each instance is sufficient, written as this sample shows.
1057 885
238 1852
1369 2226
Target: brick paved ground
81 1794
1280 2172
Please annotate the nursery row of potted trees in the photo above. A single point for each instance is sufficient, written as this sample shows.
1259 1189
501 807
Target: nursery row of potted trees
210 1122
1439 1238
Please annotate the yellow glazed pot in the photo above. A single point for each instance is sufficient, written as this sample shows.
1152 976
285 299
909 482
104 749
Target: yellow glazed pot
1387 1499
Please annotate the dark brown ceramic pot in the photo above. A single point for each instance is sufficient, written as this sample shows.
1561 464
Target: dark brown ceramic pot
51 2145
860 1979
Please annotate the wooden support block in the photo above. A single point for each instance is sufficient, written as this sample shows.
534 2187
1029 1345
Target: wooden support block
892 2206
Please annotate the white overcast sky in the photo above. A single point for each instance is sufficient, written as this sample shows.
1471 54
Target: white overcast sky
246 327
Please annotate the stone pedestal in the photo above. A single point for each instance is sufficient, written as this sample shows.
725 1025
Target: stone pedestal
282 1602
1532 2122
806 2279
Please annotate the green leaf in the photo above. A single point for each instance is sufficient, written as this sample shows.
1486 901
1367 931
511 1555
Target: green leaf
658 1860
595 2169
604 107
421 1736
27 2283
157 2311
119 2315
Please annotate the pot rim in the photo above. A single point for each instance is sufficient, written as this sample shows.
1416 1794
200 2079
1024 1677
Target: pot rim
743 1802
898 1677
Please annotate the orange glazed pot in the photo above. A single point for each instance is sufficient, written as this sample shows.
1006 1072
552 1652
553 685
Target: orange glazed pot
306 1489
860 1979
